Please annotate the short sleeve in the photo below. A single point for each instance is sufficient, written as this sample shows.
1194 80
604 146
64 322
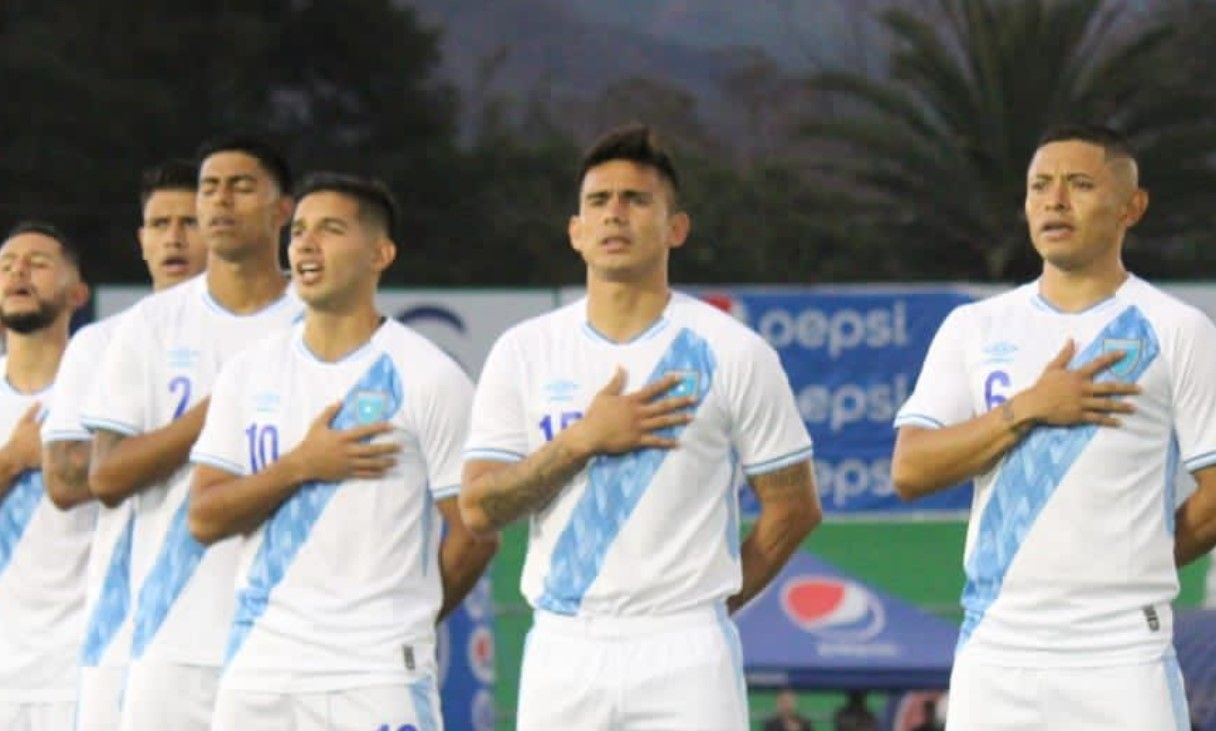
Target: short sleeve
442 419
1194 352
77 371
117 399
767 430
222 444
497 427
942 395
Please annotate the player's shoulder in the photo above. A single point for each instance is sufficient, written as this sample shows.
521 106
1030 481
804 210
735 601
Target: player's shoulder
547 326
410 348
1161 307
163 308
94 335
274 347
725 334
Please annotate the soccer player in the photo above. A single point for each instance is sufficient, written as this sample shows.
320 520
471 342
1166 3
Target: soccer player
1071 401
147 408
335 447
174 251
616 424
43 550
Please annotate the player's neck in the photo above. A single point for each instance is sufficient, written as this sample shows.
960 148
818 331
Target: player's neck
245 287
331 336
33 358
1078 291
621 312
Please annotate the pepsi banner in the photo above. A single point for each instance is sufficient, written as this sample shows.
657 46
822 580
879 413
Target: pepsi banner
817 627
852 357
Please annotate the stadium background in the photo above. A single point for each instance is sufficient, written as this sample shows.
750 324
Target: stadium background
826 141
851 354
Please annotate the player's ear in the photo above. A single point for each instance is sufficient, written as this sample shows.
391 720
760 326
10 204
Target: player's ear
284 207
386 253
574 231
1136 205
78 295
678 229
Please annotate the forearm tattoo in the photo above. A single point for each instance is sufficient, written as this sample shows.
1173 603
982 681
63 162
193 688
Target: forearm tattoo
529 485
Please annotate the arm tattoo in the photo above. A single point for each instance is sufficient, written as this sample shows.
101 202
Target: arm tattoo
785 484
69 463
529 485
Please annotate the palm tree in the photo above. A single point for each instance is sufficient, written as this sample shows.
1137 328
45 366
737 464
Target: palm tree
934 157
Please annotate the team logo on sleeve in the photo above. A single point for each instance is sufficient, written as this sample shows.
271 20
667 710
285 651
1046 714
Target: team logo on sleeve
1132 349
832 608
370 406
687 386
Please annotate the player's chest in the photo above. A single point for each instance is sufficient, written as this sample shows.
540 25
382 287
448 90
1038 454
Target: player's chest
280 403
558 393
1010 356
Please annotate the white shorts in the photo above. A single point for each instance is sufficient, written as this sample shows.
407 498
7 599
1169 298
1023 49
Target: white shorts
100 698
986 697
162 696
681 672
37 716
413 707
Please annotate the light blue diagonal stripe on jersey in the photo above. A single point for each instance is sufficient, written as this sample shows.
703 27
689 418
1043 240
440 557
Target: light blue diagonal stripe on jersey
421 694
179 556
16 510
1172 457
375 397
114 602
1034 468
615 485
732 509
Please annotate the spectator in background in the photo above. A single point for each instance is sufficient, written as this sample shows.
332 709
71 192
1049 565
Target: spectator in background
787 718
855 715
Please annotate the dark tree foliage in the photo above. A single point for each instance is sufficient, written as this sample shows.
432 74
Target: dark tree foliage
934 158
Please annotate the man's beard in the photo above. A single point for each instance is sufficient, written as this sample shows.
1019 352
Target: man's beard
25 323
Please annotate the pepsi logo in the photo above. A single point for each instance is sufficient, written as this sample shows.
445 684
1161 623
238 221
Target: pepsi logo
728 303
832 608
481 654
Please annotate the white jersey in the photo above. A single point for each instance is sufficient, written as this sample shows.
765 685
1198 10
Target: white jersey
1069 554
340 587
107 587
652 531
163 357
43 552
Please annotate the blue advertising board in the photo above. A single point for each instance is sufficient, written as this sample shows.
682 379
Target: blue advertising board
852 357
466 663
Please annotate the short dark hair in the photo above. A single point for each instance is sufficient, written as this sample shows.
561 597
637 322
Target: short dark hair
265 153
173 174
636 143
49 230
376 202
1113 142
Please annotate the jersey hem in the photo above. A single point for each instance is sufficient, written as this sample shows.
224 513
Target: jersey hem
918 420
218 462
99 424
494 455
1206 459
770 465
248 682
66 435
